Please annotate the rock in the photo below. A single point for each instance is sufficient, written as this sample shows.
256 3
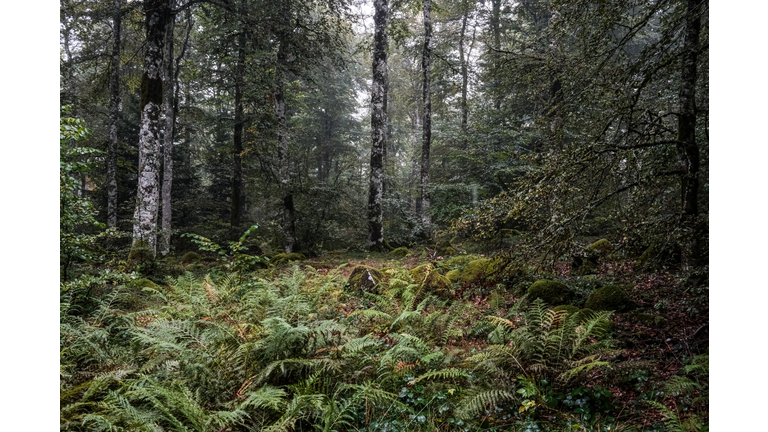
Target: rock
364 278
609 298
431 280
552 292
569 309
600 246
285 257
143 283
400 252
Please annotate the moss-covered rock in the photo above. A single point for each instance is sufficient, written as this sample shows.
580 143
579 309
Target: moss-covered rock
471 271
400 252
190 257
431 280
609 298
460 260
449 251
552 292
600 246
143 283
364 278
454 276
285 257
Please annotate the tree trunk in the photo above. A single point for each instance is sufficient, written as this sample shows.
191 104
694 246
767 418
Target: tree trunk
426 137
496 33
148 194
378 125
170 121
687 147
464 79
114 113
289 227
237 170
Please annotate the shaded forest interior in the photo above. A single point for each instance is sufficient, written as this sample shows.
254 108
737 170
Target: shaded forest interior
384 216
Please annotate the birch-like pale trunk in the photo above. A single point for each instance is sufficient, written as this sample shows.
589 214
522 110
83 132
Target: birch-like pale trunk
170 121
283 161
148 193
426 136
378 125
114 113
687 147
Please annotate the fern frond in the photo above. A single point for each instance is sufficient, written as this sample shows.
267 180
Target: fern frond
672 420
477 403
681 385
266 397
449 373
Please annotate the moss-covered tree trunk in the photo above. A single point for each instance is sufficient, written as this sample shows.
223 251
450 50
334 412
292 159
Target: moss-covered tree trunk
687 147
148 194
426 136
114 113
170 120
378 125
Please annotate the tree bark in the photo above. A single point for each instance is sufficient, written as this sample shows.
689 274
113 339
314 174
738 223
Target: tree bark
147 197
687 147
496 33
289 226
464 78
237 169
114 113
378 125
170 121
426 137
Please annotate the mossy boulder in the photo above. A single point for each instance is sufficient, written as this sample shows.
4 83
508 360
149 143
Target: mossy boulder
286 257
430 279
400 252
472 271
449 251
460 260
190 257
600 246
143 283
364 278
609 298
552 292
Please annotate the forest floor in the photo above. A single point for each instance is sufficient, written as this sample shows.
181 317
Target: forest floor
654 345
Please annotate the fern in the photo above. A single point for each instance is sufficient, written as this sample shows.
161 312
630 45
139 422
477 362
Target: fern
478 402
450 373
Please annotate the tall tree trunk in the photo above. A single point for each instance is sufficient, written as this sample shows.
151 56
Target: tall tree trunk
114 113
148 193
687 147
237 170
464 77
378 125
426 137
496 33
170 121
289 224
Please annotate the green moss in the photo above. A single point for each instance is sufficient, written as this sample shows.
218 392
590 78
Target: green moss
455 240
454 275
143 283
436 283
609 298
140 252
588 267
600 246
570 309
448 251
285 257
400 252
552 292
476 269
190 257
364 278
460 260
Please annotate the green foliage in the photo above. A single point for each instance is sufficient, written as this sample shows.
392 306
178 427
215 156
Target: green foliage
231 257
400 252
